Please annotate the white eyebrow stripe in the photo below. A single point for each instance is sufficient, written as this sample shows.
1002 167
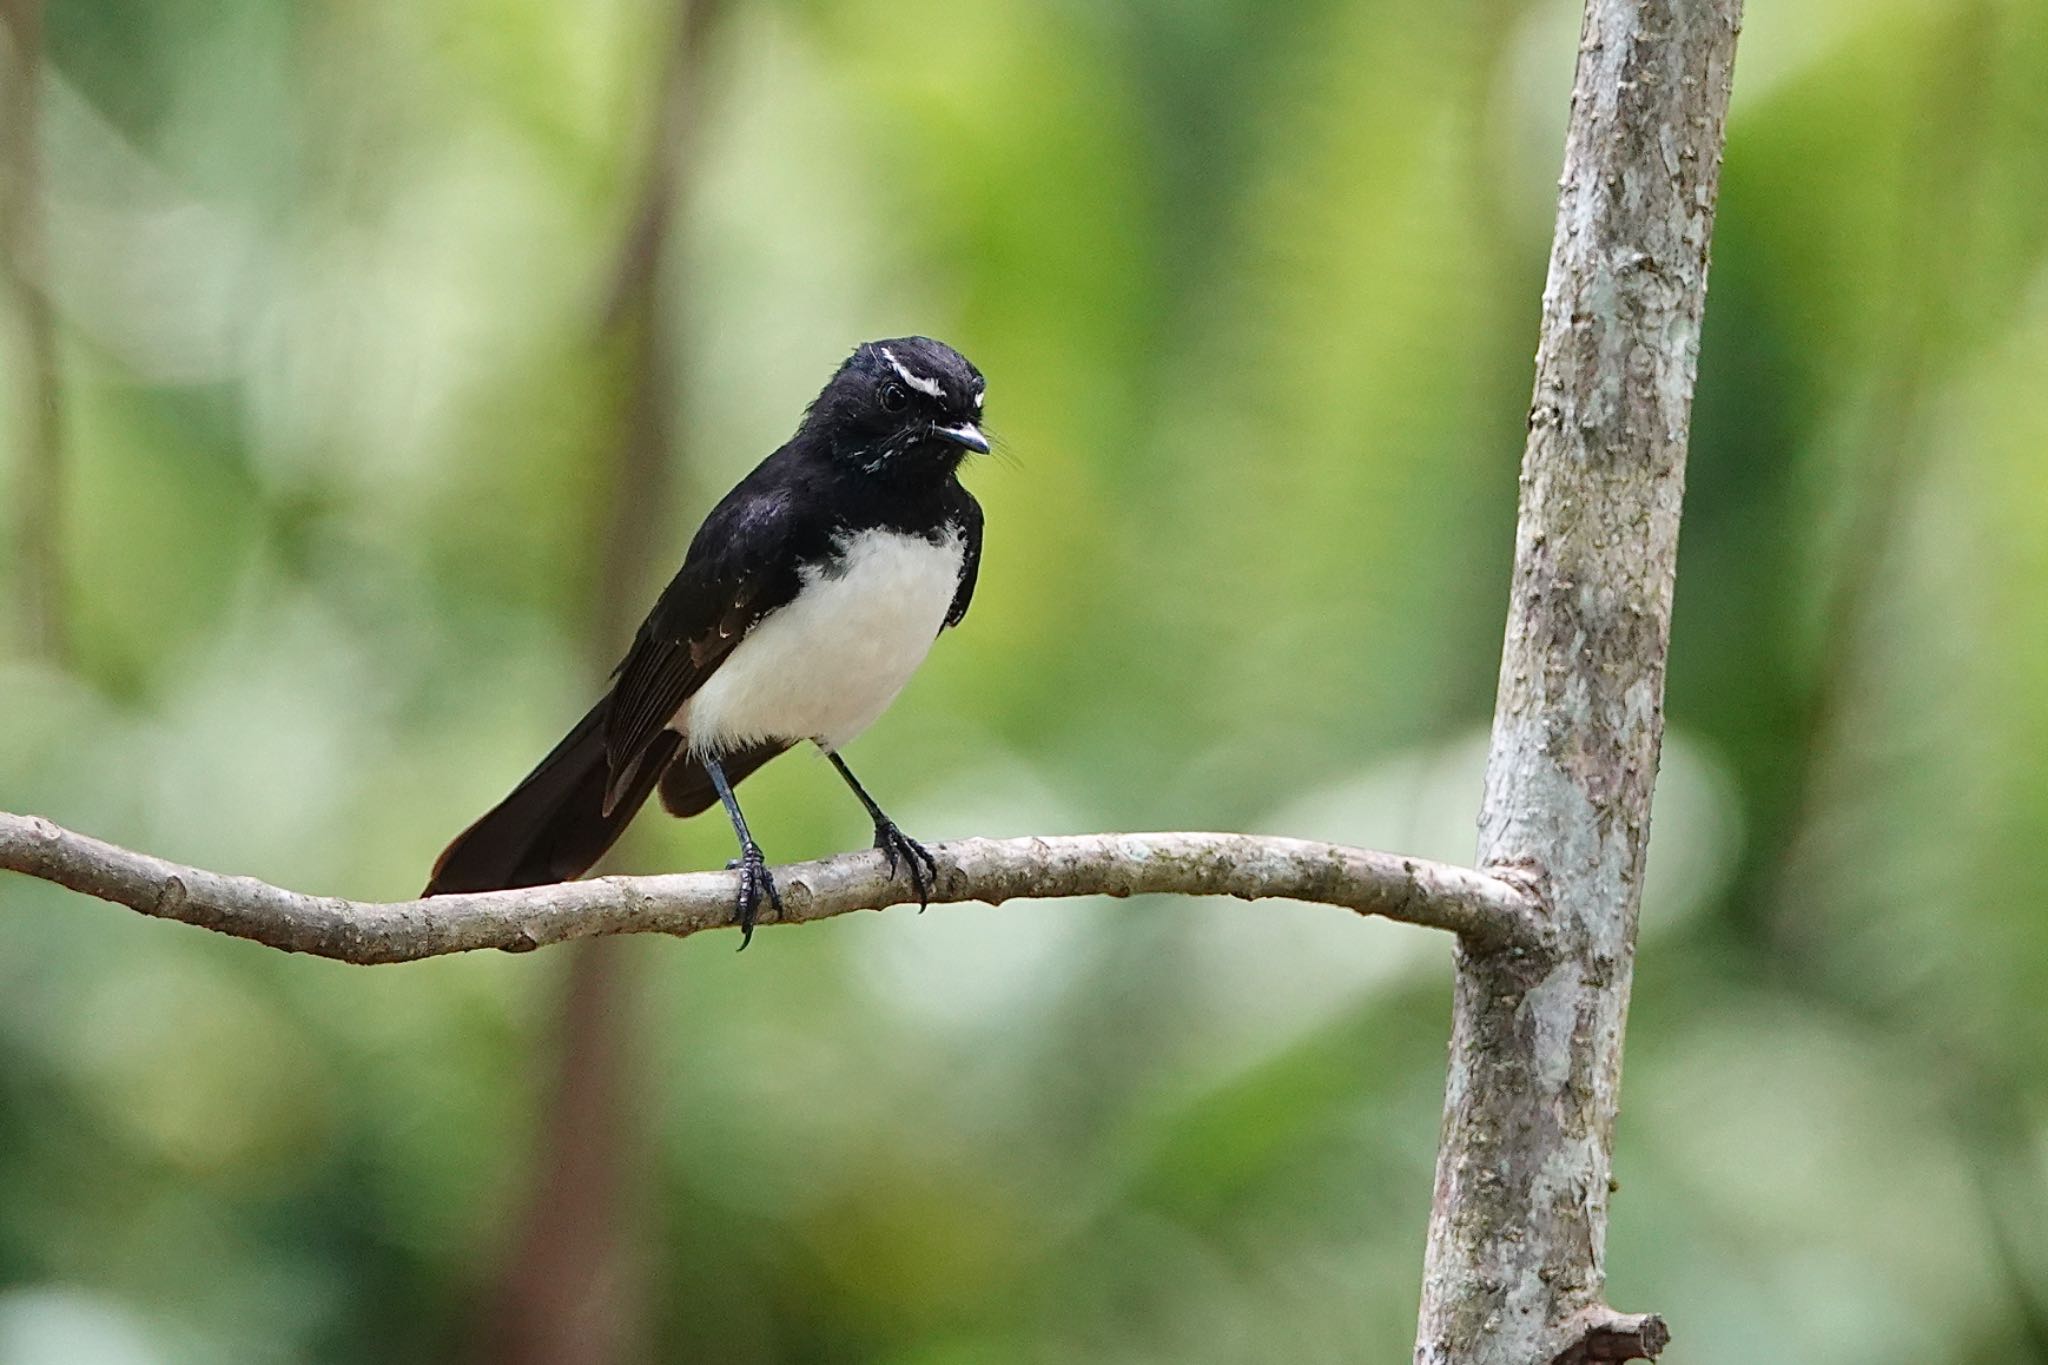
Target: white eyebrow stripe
916 381
979 394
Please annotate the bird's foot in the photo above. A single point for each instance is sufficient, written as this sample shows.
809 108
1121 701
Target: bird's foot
913 856
755 882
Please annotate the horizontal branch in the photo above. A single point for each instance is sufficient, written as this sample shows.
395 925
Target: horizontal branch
1484 910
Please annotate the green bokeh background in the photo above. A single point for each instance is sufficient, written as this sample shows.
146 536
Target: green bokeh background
1256 290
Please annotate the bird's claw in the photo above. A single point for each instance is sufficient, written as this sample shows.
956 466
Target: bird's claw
755 882
912 856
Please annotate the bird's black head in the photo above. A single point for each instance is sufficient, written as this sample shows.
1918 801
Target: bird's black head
905 407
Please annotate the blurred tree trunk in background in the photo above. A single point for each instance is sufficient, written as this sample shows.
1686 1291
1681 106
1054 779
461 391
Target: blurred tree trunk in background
1516 1269
37 495
574 1291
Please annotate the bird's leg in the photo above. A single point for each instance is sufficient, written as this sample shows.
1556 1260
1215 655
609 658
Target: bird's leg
900 847
755 880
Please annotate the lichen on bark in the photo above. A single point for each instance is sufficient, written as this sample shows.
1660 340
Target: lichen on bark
1515 1268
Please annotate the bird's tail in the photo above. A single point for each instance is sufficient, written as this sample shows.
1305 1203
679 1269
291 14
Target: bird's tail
554 825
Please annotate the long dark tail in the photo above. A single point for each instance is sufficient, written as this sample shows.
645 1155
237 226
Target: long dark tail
553 826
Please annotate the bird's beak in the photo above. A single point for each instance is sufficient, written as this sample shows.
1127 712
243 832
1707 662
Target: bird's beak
966 434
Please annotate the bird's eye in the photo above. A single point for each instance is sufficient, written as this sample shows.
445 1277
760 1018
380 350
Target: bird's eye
894 399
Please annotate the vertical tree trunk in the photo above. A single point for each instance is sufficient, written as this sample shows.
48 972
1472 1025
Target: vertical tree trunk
1515 1268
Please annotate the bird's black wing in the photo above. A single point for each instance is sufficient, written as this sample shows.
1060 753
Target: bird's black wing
742 565
562 817
970 558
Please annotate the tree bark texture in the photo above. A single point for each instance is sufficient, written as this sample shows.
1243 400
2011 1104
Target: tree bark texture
1479 908
1515 1269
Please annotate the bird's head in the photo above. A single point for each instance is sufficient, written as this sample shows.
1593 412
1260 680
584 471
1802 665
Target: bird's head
905 407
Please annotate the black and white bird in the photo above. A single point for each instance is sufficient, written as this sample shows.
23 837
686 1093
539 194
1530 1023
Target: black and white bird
807 599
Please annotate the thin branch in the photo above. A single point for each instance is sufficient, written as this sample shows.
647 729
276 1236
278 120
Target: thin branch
1488 912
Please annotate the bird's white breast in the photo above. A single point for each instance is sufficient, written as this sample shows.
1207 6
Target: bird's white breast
825 665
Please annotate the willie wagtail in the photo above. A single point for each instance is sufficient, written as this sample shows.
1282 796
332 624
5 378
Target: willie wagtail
809 596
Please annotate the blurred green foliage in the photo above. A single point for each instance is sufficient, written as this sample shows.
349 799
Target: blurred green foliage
1256 289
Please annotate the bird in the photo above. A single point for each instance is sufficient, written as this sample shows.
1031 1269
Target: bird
806 600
